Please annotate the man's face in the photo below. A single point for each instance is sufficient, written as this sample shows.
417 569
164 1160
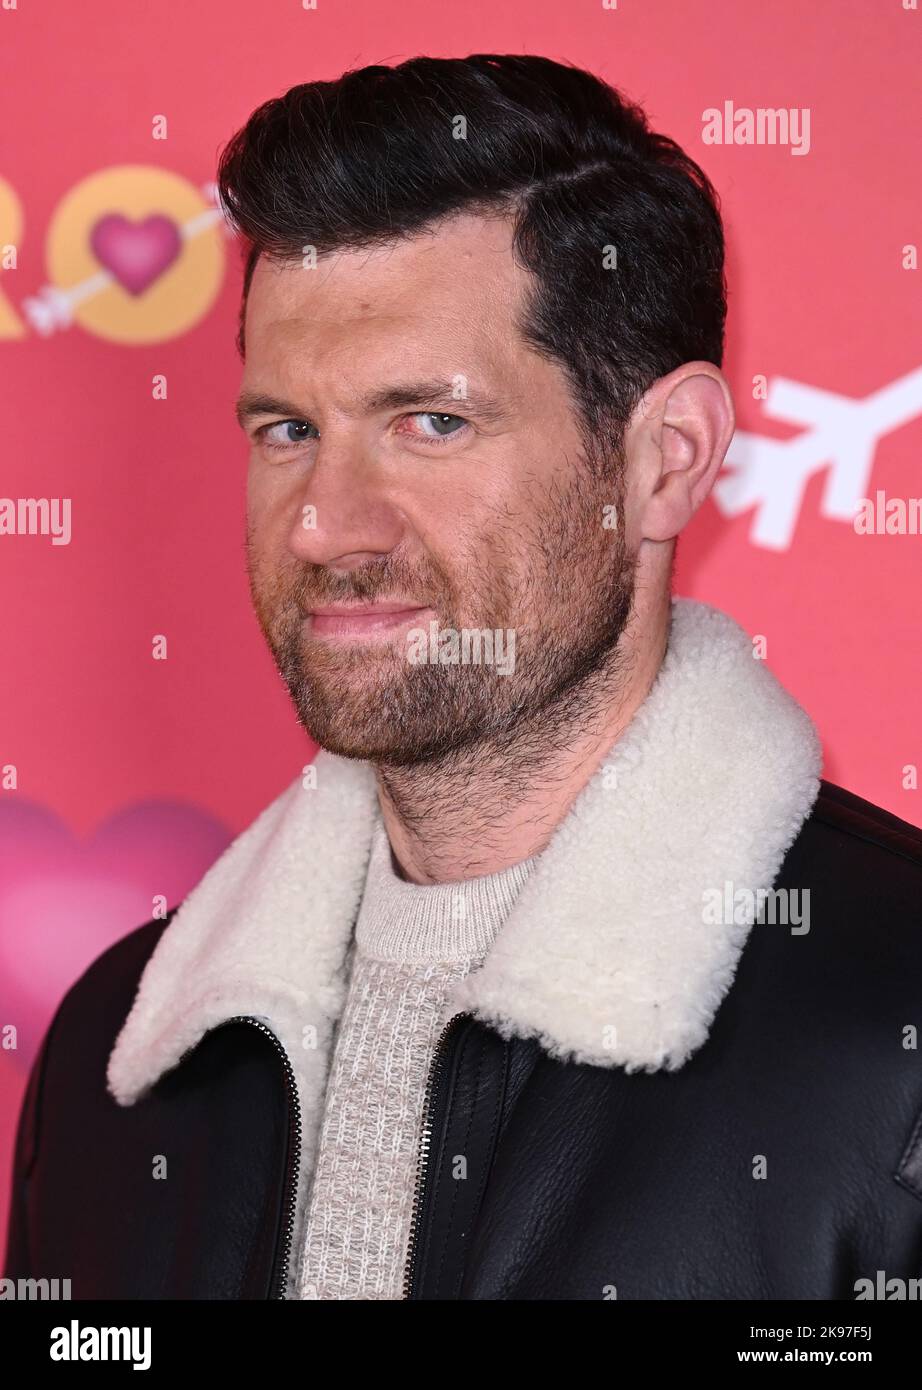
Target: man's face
472 504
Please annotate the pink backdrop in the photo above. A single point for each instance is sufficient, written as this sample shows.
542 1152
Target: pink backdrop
131 773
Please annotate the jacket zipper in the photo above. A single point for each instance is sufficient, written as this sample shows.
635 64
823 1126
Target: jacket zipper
293 1166
425 1139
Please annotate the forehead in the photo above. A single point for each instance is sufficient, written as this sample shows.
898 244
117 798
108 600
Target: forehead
451 292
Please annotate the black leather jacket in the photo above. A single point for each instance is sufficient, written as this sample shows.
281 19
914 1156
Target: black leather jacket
782 1161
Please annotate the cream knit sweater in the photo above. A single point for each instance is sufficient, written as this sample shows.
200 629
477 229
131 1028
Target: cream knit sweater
411 942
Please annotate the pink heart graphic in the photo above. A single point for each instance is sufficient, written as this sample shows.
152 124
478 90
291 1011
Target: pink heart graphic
63 902
136 253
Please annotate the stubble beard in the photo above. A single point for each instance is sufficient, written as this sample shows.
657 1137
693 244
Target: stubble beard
563 582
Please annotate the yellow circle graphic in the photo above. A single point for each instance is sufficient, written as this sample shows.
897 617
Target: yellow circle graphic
139 250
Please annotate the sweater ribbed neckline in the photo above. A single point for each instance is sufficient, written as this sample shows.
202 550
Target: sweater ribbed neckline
432 922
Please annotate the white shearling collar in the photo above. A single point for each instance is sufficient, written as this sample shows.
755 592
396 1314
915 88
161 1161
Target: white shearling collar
605 957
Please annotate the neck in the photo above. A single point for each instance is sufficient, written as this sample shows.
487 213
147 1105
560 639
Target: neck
490 805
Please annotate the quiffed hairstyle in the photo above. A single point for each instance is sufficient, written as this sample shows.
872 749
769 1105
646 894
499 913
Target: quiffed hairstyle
381 152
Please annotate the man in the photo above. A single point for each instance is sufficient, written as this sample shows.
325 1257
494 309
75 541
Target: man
561 974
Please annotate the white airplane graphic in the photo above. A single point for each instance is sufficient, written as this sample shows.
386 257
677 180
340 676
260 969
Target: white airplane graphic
841 434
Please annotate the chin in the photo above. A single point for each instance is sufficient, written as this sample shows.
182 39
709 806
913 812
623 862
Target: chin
390 746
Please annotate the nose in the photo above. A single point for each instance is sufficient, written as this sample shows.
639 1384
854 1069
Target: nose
344 516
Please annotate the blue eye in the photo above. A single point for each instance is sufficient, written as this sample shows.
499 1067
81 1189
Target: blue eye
434 427
442 425
294 432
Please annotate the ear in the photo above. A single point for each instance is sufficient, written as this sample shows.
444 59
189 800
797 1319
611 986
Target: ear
678 438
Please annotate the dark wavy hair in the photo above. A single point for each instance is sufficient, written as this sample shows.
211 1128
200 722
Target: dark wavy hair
375 156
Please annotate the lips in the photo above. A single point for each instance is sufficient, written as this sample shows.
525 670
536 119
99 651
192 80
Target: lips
361 620
335 610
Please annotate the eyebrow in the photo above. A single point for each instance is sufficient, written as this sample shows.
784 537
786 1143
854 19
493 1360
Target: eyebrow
426 395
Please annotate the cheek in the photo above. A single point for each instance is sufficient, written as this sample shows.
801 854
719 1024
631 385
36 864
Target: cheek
271 506
485 499
485 561
265 539
256 491
260 489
